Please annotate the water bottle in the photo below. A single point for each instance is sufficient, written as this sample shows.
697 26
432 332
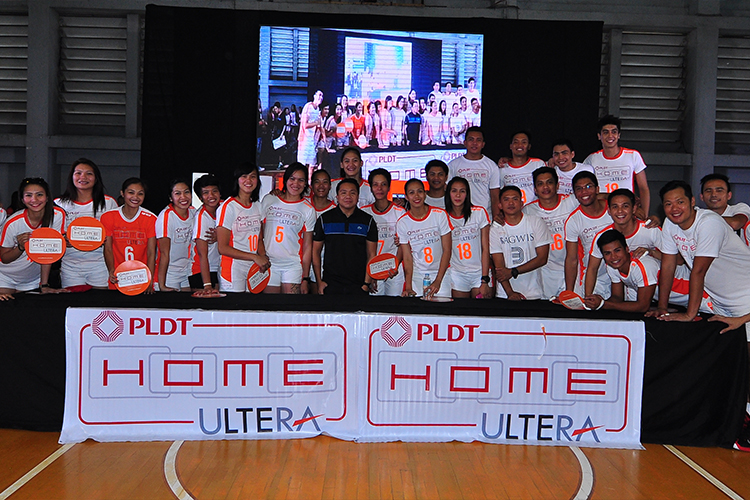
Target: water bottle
426 282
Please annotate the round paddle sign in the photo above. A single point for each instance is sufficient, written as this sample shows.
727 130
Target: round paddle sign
45 245
380 266
571 300
133 277
86 234
257 280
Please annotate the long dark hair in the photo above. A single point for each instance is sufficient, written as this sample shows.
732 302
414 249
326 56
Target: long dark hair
97 194
466 210
49 207
245 169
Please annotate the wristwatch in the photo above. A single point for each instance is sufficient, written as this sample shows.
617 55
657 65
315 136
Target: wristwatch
485 279
514 272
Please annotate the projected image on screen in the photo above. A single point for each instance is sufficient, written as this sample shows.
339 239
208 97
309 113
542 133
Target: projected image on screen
402 98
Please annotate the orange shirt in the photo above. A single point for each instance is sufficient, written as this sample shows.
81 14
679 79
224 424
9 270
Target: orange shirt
129 237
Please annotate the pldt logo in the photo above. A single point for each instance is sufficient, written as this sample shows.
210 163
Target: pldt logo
106 319
398 326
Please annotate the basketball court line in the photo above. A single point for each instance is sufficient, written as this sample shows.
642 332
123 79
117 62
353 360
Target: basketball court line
36 470
587 475
170 472
703 472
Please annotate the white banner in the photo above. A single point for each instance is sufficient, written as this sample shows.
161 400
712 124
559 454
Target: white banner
187 374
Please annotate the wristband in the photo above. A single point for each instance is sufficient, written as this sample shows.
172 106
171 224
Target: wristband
307 278
514 272
207 284
601 304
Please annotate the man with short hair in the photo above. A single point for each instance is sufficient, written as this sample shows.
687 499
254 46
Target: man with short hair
350 237
554 209
716 193
562 160
519 249
517 171
589 218
436 172
481 173
618 167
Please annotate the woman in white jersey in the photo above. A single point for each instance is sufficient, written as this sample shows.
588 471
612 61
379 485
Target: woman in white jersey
425 236
204 270
470 235
84 197
320 184
351 167
288 223
174 235
18 273
238 230
386 214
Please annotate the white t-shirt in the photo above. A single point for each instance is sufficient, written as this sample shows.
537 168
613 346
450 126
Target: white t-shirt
244 223
739 208
181 242
565 179
424 237
522 178
365 193
617 172
285 225
642 237
386 222
727 280
23 269
466 238
518 245
73 257
482 176
435 202
3 216
553 273
642 272
203 222
581 229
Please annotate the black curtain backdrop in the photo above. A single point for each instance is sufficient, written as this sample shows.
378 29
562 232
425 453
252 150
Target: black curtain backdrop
201 81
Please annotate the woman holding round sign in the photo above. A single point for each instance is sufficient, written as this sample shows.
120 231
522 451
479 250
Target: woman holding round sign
174 236
20 270
131 235
425 237
238 231
288 224
83 262
470 235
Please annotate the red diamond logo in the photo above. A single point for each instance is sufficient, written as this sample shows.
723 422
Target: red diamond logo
107 319
400 327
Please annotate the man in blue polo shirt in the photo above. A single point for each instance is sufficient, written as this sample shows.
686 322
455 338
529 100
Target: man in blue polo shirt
350 237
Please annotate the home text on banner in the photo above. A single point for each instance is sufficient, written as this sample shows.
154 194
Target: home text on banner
188 374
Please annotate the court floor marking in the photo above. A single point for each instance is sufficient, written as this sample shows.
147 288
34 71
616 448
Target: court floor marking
36 470
170 472
587 475
703 472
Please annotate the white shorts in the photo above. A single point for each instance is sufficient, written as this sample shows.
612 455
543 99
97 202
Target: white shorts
464 281
445 286
94 274
19 286
286 273
177 280
392 287
239 271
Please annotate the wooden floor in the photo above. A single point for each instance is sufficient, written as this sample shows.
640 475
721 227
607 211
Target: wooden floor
326 468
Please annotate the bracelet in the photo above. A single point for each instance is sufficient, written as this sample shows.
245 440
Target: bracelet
207 284
21 248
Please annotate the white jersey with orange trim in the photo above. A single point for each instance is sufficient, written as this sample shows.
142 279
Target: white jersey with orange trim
3 217
75 259
425 238
204 222
243 223
521 177
739 208
565 179
617 172
365 193
581 228
482 175
466 238
553 274
386 222
23 270
285 225
181 243
435 202
642 237
518 244
727 278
